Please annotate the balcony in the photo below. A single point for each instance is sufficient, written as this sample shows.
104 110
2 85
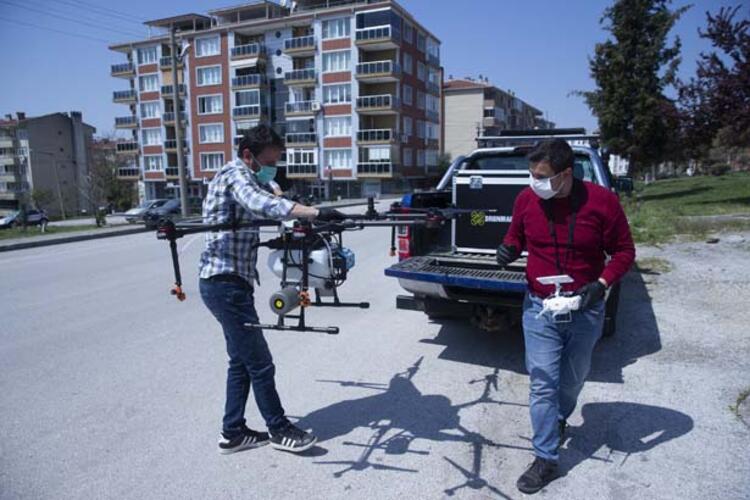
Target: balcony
374 169
167 91
125 70
381 38
169 117
127 147
301 108
433 88
248 82
247 51
300 46
301 139
174 172
124 96
377 136
129 173
166 63
302 171
126 122
171 145
300 77
243 112
379 71
433 116
378 104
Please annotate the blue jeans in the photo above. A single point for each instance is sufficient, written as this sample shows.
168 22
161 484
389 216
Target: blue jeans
558 358
232 304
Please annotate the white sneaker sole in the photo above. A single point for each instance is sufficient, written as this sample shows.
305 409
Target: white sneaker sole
298 449
249 446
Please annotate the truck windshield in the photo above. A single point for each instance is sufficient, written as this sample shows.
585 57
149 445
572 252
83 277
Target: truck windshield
498 162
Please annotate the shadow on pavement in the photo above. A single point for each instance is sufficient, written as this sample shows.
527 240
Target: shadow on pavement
637 335
622 428
397 415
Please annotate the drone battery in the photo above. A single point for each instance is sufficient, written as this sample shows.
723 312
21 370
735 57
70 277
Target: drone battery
285 300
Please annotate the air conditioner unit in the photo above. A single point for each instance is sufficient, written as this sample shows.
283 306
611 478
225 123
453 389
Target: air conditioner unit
315 106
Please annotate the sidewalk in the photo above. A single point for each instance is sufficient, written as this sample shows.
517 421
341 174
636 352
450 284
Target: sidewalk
122 230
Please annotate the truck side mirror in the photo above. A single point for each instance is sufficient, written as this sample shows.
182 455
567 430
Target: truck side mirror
623 185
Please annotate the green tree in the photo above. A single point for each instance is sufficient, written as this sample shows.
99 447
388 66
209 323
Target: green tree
632 69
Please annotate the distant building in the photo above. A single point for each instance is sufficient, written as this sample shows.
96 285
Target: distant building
474 107
46 157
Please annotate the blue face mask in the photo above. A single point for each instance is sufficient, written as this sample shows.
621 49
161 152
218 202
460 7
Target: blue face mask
265 173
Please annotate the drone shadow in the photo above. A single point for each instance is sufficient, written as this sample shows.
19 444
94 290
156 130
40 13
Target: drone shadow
397 415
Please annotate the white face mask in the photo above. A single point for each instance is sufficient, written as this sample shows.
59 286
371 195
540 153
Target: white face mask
543 187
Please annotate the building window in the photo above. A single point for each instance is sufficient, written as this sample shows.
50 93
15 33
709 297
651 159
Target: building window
338 158
212 161
211 133
336 61
408 95
210 104
149 83
380 154
431 158
151 136
408 63
301 157
338 126
152 163
421 42
420 158
408 126
150 110
336 28
421 99
209 75
408 159
147 55
408 33
421 71
433 48
337 94
246 98
207 46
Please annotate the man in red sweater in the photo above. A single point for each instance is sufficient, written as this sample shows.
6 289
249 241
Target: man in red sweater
567 226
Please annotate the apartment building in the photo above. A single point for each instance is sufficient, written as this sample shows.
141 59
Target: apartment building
48 156
475 107
352 85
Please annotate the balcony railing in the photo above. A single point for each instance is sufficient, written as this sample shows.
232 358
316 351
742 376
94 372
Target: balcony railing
168 90
300 43
126 121
248 50
248 81
243 111
386 101
173 171
172 144
300 75
433 60
377 68
127 147
128 172
302 107
433 116
122 69
169 116
374 168
376 135
166 62
297 138
382 33
123 95
306 170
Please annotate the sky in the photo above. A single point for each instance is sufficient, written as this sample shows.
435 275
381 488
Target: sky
55 55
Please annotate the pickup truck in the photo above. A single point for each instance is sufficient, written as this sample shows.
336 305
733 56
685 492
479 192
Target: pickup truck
451 272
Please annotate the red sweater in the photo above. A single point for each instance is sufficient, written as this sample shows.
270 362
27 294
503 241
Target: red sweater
601 229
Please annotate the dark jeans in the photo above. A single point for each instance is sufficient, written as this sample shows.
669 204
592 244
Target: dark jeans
231 301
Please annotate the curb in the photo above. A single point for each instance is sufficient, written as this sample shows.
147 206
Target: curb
69 239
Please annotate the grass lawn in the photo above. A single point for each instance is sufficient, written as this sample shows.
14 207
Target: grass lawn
7 234
661 210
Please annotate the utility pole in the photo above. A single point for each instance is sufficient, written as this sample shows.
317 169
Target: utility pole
178 124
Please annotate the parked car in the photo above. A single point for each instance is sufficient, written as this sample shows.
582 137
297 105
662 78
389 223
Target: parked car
136 214
168 210
33 218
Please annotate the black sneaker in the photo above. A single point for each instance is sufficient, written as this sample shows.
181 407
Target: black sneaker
562 426
290 438
244 441
539 474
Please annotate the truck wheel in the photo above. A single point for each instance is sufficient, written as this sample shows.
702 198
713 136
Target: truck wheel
610 311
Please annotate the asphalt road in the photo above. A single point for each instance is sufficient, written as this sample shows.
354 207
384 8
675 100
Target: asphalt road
110 388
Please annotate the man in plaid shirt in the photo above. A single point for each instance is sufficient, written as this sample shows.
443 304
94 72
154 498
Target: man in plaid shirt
227 275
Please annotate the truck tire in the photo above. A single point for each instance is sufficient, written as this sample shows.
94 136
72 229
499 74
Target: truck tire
610 311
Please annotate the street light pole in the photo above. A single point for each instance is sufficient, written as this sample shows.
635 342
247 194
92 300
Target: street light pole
178 125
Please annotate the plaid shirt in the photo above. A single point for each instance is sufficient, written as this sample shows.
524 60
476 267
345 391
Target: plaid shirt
234 188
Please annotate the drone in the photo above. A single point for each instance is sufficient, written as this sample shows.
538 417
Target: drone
308 256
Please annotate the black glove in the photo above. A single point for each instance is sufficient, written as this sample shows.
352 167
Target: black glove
591 294
327 214
506 254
